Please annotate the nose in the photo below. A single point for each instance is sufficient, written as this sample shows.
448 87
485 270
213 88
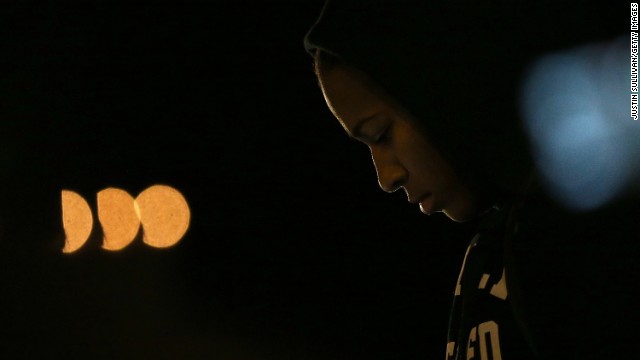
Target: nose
391 174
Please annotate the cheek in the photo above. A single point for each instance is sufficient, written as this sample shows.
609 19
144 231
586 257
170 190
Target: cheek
461 207
432 171
426 163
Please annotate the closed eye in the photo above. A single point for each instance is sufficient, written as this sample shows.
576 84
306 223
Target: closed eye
384 136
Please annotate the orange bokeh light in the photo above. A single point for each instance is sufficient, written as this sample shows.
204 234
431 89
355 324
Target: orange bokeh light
77 220
119 220
164 214
161 210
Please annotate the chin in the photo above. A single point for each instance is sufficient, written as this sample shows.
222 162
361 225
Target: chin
461 216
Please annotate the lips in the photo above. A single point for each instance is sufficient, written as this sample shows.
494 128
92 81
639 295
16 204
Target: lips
427 205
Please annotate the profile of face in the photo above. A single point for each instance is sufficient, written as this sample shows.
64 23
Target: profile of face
402 154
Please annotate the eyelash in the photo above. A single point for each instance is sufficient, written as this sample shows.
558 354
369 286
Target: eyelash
384 136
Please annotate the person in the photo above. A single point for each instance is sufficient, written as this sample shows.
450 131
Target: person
434 90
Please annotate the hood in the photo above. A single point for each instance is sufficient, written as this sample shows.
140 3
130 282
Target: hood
457 66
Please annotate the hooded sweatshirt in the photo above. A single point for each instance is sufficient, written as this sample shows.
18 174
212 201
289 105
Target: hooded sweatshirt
457 67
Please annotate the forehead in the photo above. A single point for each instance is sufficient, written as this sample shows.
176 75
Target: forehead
350 95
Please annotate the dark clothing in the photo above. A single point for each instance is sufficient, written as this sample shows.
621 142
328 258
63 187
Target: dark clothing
539 279
482 324
575 277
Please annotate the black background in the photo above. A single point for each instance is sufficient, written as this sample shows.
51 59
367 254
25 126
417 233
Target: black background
293 250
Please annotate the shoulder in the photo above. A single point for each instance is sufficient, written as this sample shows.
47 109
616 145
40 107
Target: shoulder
575 271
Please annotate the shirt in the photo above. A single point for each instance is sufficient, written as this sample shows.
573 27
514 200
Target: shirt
482 324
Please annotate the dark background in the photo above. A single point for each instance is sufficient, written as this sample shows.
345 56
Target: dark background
293 251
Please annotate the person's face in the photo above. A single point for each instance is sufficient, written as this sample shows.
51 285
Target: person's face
402 155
